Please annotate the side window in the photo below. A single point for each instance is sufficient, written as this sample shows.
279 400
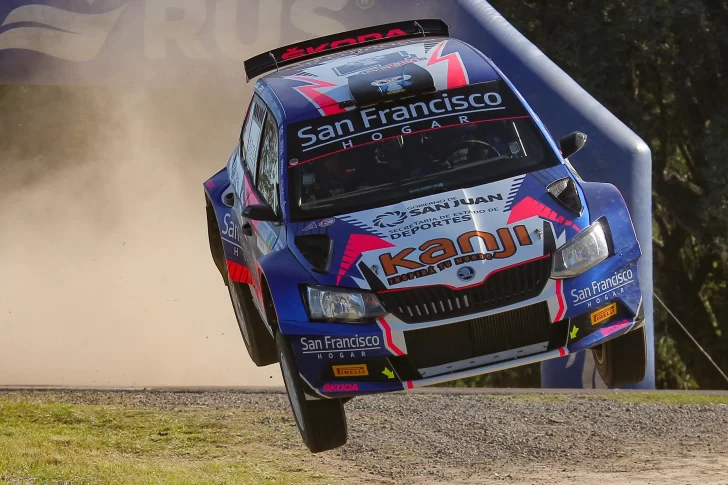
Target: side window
250 137
246 128
268 167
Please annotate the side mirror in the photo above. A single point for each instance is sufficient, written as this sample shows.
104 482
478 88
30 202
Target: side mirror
259 212
572 143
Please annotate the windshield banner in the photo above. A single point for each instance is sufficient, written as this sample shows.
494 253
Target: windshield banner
476 103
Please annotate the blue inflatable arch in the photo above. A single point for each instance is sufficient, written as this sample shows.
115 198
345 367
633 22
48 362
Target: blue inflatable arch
173 42
613 153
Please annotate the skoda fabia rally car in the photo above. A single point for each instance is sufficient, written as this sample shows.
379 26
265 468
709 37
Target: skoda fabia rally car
395 215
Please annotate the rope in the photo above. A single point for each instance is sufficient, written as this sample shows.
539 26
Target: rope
691 338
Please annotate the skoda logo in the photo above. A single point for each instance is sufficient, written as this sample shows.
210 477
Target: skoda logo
466 273
390 219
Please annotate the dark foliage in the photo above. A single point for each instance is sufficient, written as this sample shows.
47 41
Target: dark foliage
661 67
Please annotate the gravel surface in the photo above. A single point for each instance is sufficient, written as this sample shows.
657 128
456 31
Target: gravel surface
442 437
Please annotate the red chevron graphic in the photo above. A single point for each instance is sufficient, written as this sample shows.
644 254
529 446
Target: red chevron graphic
239 273
325 104
456 74
357 244
529 207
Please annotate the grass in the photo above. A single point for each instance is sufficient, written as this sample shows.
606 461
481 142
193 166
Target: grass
45 439
52 443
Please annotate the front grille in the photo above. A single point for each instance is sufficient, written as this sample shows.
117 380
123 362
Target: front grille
429 347
504 287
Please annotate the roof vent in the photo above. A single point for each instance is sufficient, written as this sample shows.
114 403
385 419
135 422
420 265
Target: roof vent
391 83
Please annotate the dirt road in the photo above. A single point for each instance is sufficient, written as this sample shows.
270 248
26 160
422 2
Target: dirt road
456 437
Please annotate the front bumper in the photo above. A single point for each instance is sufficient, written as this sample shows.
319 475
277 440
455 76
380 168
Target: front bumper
391 355
431 381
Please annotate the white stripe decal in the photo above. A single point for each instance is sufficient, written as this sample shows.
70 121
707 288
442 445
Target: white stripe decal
339 350
232 242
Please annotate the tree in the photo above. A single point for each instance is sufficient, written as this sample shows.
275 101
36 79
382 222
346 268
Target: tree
659 65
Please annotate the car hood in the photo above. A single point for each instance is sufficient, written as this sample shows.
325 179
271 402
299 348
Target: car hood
456 238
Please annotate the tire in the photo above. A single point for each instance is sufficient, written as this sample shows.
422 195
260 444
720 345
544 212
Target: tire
322 423
623 360
258 340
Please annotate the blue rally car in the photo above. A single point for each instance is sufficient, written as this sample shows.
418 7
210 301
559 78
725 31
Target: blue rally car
395 215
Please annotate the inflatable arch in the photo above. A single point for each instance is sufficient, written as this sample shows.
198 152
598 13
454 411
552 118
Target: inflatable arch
172 41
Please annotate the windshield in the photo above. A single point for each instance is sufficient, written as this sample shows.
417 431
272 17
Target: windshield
465 147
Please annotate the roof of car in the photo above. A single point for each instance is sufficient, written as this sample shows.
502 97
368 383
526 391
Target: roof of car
323 86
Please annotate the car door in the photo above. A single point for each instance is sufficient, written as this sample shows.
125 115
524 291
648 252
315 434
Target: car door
266 184
242 177
261 186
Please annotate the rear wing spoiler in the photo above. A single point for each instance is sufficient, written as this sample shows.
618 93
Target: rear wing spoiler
283 56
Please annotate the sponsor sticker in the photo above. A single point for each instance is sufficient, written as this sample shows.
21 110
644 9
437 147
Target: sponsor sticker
303 50
476 103
338 387
331 347
327 222
392 84
390 219
436 214
440 254
603 290
350 370
604 314
231 229
377 63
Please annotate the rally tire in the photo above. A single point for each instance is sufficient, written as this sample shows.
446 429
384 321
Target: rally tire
622 361
258 340
321 422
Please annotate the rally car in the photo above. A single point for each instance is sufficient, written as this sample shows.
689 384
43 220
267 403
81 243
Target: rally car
395 215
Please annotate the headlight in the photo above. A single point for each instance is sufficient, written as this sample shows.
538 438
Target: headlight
583 252
342 305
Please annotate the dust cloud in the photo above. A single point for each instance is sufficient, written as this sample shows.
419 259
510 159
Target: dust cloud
106 277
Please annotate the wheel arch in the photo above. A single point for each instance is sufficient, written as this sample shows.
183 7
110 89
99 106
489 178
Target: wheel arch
215 239
222 232
281 276
605 199
271 315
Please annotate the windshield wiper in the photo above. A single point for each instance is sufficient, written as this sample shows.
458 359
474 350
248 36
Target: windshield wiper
424 178
479 162
328 201
417 180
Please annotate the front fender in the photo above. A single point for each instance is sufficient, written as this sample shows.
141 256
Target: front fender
605 200
616 278
224 232
284 276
